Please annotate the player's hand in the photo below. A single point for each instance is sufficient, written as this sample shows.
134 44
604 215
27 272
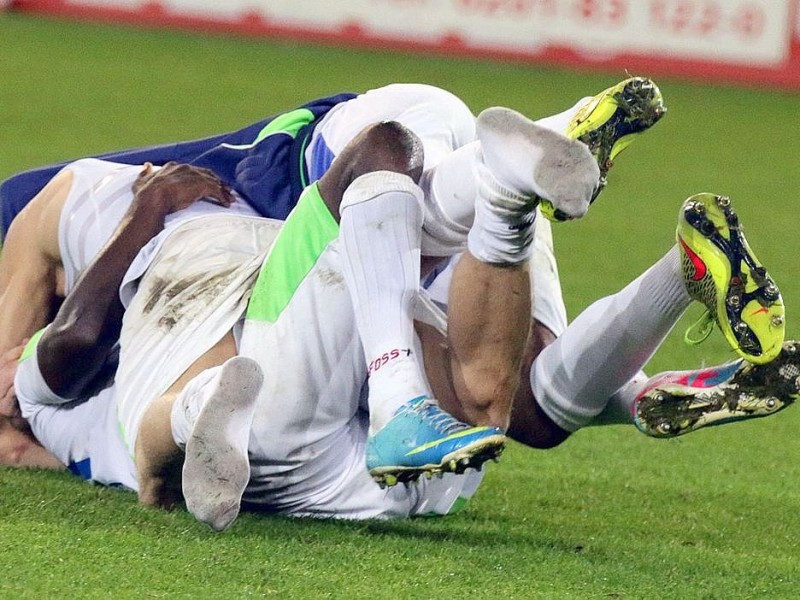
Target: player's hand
175 186
9 406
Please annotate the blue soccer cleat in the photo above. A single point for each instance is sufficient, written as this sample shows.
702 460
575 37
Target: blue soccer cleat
422 439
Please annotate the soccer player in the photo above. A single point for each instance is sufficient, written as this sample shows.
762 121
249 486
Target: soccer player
296 474
391 144
316 475
494 119
265 169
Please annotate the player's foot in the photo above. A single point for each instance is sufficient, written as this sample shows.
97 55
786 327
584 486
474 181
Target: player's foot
216 468
608 123
422 439
533 162
678 402
721 271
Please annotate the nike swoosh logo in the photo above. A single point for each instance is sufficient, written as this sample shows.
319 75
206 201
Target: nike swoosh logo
700 268
449 438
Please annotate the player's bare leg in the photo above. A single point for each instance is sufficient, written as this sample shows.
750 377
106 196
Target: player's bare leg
372 188
594 368
487 332
490 301
159 458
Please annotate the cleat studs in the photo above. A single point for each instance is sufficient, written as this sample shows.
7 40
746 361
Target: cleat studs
776 321
740 328
664 428
770 292
723 201
452 465
698 207
771 403
659 397
734 301
428 475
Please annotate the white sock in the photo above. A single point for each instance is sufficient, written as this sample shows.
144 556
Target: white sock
531 160
380 233
560 122
503 228
452 185
189 403
608 344
619 408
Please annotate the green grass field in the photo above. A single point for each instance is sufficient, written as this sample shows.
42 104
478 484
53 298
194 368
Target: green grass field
610 514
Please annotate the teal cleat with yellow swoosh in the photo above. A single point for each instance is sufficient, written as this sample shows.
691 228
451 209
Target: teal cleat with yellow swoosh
422 439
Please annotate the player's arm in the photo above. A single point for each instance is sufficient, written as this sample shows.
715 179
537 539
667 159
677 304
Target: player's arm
30 265
18 446
76 345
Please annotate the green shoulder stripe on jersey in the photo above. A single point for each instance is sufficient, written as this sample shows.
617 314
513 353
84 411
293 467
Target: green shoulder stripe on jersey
30 347
308 230
289 123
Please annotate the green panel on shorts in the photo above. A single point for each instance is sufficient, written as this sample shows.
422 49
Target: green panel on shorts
30 347
308 230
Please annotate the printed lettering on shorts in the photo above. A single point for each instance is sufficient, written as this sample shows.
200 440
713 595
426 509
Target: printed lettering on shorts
385 358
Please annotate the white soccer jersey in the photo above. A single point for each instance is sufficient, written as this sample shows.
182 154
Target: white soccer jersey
307 442
85 436
100 195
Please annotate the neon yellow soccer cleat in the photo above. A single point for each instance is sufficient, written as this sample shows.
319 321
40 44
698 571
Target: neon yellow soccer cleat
721 271
609 122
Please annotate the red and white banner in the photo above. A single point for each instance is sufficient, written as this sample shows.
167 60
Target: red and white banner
755 41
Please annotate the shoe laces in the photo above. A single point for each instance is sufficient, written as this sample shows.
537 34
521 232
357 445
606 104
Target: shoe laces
437 418
702 327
